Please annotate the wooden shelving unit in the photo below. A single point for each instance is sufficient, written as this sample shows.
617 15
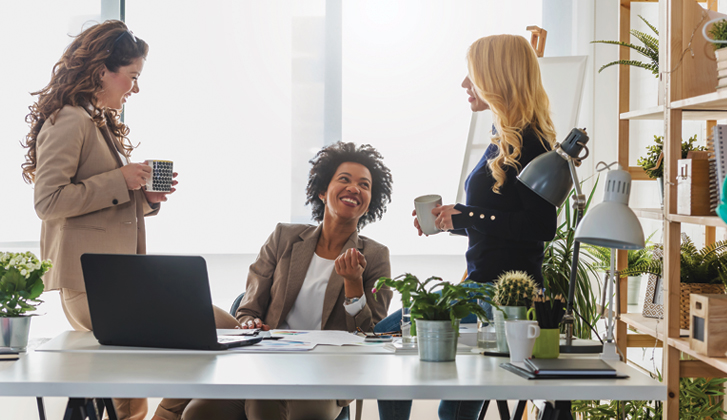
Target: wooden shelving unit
688 87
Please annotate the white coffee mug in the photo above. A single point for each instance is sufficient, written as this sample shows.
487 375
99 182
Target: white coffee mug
521 337
161 175
424 205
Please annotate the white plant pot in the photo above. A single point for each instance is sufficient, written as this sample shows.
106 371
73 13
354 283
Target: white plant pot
634 286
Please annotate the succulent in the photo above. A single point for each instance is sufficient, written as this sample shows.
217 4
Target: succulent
515 288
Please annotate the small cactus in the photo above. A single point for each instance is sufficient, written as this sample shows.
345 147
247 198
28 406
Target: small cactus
515 288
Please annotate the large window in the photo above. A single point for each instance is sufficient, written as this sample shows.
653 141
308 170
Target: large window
239 94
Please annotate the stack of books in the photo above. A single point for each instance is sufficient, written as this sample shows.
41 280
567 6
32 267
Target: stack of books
721 55
7 354
570 368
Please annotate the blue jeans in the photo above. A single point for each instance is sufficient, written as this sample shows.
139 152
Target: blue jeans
448 410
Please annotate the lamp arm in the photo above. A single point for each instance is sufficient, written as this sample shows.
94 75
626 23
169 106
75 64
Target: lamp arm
579 206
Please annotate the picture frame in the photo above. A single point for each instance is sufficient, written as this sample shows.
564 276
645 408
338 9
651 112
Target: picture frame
654 297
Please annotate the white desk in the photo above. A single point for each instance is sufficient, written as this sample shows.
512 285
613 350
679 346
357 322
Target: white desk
335 374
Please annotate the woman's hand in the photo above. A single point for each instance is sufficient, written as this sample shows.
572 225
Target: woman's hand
416 223
135 175
158 197
444 216
350 265
255 323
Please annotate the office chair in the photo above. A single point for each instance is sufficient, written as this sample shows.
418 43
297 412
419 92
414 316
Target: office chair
345 411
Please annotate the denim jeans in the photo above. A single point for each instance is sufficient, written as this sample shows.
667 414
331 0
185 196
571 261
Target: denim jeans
448 410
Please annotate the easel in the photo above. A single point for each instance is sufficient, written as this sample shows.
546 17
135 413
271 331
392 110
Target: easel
537 39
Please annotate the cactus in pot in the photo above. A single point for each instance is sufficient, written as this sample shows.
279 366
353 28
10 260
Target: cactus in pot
514 293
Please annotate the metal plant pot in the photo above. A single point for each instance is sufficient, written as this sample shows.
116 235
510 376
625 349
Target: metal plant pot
437 340
511 312
14 332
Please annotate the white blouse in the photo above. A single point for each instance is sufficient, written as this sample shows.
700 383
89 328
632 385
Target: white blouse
307 311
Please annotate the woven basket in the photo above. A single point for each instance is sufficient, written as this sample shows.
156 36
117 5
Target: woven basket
686 290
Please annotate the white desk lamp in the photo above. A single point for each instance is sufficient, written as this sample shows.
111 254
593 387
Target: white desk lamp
612 224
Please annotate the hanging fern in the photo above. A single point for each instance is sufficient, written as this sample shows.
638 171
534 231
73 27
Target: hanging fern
650 50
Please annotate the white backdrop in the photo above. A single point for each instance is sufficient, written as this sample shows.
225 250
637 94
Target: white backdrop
216 98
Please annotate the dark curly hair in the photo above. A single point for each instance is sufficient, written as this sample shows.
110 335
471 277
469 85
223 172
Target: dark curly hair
76 80
328 159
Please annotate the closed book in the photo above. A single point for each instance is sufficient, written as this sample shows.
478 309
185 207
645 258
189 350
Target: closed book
7 354
570 366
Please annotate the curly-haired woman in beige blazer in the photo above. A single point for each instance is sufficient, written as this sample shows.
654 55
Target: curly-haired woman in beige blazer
88 194
314 277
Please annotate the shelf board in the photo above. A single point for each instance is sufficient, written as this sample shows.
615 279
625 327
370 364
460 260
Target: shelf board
644 325
682 344
654 214
656 113
653 113
697 220
715 102
658 214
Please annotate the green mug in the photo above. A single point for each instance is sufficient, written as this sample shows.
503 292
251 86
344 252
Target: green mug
547 345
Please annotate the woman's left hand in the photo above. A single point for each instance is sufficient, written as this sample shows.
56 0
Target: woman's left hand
444 217
158 197
350 265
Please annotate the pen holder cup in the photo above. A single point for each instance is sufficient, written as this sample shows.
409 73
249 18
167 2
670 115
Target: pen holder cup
547 345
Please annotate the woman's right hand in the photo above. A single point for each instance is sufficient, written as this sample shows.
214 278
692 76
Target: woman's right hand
255 323
416 223
135 175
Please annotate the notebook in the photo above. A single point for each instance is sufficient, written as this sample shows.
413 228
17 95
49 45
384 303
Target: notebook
527 372
153 301
570 366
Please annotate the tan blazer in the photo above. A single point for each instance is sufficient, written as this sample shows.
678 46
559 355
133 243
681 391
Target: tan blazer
82 198
277 275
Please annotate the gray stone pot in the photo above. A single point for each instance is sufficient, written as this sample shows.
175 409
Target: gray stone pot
437 340
511 312
14 332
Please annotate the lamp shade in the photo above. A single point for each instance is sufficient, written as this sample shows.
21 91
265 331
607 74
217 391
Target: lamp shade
612 224
549 175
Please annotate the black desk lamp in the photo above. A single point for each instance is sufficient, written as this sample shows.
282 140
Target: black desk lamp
552 175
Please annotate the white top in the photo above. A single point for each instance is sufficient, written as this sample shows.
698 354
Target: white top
307 311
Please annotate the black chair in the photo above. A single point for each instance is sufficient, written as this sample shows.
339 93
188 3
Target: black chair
345 411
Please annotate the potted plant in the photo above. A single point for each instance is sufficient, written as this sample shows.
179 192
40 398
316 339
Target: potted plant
650 50
20 287
652 162
635 258
437 307
557 263
700 271
718 32
514 294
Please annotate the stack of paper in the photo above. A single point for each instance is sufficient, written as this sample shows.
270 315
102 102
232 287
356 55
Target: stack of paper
721 69
7 354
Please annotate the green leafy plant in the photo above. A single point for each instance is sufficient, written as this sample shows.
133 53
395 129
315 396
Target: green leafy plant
650 50
515 288
718 32
695 265
437 300
20 283
653 162
699 398
557 262
636 257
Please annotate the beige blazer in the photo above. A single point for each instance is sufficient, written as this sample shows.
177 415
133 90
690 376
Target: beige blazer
277 275
82 198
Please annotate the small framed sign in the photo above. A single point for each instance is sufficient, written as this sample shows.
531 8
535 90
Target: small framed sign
654 298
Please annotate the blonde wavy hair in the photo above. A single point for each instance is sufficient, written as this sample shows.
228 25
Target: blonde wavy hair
76 80
504 72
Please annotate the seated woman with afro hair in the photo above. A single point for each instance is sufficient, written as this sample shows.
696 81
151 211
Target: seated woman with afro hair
329 268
